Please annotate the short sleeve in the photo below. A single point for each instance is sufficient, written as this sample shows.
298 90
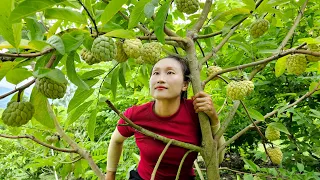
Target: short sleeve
126 131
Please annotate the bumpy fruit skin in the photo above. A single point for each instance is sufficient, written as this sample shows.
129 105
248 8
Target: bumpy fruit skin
151 52
313 48
52 139
88 57
212 70
138 60
187 6
50 88
104 48
296 64
272 134
259 27
239 90
17 113
132 47
275 155
121 56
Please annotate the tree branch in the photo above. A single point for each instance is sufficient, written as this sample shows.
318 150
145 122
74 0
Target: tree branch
168 38
285 40
39 142
151 134
181 163
145 30
203 17
153 175
91 18
271 58
236 136
75 146
29 55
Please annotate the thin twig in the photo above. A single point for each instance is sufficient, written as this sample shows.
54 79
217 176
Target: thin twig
39 142
151 134
153 175
91 18
203 17
224 103
198 170
181 163
29 55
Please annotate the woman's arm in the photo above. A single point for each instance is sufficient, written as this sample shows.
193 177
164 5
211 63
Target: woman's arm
114 153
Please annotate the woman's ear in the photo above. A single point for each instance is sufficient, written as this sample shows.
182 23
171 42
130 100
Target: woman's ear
185 86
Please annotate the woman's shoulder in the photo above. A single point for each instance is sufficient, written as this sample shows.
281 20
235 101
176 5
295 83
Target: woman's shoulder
142 107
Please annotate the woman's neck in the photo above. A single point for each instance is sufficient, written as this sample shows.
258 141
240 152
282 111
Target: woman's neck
166 107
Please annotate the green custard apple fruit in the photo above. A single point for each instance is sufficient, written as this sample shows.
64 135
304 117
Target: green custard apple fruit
259 27
17 113
275 155
313 48
187 6
132 47
212 70
151 52
121 56
239 90
88 57
296 64
104 48
50 88
272 134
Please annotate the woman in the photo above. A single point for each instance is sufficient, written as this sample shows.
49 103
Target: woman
169 115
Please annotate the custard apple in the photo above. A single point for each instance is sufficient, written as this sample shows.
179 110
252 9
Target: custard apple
296 64
104 48
238 90
259 27
121 56
151 52
52 139
17 113
138 60
313 48
212 70
132 47
187 6
88 57
272 134
50 88
275 155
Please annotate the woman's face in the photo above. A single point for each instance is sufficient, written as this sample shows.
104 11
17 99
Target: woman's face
166 81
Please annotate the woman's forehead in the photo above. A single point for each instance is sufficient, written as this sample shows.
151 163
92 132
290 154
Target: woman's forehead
167 63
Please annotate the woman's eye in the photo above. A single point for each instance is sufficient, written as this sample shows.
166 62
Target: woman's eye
170 72
155 73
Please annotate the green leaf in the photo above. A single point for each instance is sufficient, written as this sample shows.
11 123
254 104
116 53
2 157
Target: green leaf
17 75
149 9
5 67
78 170
136 14
73 40
114 81
36 29
312 86
72 74
92 74
256 115
17 28
38 45
122 79
6 29
280 67
235 19
76 113
112 8
121 33
251 165
250 4
65 14
92 124
56 42
41 107
280 127
88 5
54 28
160 20
54 74
30 7
300 167
79 97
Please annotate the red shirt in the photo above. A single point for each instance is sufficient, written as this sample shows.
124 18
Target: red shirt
183 126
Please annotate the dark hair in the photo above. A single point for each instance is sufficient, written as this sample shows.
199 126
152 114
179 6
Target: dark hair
185 70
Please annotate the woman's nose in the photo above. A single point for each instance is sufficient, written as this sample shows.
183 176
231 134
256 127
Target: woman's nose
161 78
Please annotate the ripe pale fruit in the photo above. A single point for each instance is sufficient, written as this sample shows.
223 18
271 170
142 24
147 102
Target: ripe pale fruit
239 90
313 48
88 57
132 47
50 88
121 56
151 52
187 6
259 27
104 48
272 134
275 155
296 64
212 70
17 113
